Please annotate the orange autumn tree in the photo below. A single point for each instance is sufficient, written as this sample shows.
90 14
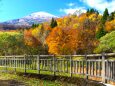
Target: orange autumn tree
85 33
86 40
76 37
110 25
62 40
29 39
41 32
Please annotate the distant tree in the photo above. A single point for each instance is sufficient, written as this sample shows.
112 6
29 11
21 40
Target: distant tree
110 25
101 32
112 16
11 44
87 10
32 42
53 23
105 16
29 39
92 11
35 25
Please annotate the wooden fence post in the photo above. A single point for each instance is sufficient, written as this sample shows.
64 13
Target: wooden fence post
25 63
54 72
15 64
103 68
5 64
86 66
70 66
114 70
38 63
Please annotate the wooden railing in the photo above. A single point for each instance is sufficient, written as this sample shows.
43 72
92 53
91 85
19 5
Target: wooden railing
89 66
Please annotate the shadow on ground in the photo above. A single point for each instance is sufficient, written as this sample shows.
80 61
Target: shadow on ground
11 83
64 79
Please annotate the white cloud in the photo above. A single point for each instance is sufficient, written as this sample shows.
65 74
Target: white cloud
70 4
73 9
77 10
101 4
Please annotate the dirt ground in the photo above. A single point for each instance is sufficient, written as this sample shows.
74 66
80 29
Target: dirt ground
11 83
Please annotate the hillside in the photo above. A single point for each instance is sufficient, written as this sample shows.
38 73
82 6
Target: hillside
12 27
34 18
72 34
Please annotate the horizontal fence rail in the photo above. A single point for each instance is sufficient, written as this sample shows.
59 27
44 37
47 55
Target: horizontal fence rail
101 68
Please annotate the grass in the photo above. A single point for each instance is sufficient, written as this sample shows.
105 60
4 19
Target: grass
31 78
111 58
44 80
33 81
28 81
9 32
41 72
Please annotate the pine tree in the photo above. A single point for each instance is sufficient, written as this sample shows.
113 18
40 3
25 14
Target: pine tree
88 10
53 23
91 11
105 16
35 25
101 32
112 16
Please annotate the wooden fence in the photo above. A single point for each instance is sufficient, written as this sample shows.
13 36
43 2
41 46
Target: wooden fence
95 65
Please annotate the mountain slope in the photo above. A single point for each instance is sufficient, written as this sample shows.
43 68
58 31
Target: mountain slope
38 17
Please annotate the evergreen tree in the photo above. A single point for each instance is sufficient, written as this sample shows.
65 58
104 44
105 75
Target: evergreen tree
105 16
53 23
35 25
88 10
112 16
91 11
101 32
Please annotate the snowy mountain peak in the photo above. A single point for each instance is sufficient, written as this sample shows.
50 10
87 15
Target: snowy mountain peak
41 15
34 18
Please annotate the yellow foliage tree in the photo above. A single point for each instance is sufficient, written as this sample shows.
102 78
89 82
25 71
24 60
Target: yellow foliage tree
78 36
62 40
110 25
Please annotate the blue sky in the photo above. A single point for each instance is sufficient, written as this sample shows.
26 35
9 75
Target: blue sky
13 9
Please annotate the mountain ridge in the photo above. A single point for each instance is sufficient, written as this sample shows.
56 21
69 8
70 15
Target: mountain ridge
34 18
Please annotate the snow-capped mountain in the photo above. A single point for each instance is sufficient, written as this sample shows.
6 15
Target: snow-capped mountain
38 17
43 15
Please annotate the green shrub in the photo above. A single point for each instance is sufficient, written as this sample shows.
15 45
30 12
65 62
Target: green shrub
107 43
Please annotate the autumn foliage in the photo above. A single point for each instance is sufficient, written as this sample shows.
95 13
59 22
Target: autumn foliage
62 40
30 39
72 34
